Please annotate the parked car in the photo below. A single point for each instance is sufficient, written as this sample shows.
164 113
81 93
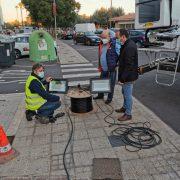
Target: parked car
98 32
88 38
22 45
138 36
67 35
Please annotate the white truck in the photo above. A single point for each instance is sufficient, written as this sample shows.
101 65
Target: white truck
85 27
161 20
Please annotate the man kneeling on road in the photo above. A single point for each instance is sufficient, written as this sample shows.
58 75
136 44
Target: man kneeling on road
38 101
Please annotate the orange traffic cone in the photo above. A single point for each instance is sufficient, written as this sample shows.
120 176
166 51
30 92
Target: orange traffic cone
7 153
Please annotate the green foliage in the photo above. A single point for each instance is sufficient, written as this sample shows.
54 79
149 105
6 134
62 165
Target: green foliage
83 19
103 15
41 12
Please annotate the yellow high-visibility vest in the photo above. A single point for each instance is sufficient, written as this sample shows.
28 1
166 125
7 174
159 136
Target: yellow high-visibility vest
33 100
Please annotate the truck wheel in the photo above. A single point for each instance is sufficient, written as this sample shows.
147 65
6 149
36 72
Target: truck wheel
17 54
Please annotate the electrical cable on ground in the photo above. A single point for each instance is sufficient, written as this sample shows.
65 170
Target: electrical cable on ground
137 135
67 145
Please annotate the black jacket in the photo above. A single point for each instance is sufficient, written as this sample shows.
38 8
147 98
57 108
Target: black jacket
36 87
128 62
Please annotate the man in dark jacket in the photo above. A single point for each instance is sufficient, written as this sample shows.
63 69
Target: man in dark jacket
38 101
128 73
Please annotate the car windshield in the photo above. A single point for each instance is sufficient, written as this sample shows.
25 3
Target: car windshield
89 34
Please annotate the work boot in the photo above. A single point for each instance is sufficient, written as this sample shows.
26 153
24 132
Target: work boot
52 119
42 119
125 117
58 115
121 110
30 114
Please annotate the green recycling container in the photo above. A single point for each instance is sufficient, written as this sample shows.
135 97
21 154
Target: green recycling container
42 47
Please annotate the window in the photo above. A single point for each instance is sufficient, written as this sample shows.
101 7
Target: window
149 10
22 39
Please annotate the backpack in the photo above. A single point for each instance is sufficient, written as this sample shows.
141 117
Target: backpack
112 56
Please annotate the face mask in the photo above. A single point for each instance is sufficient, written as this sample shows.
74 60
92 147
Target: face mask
41 74
105 41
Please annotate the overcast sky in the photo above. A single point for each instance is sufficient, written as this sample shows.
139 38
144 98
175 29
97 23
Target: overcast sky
87 7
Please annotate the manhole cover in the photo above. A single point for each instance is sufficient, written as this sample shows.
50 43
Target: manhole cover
106 168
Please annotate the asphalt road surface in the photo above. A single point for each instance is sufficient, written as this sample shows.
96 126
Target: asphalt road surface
162 100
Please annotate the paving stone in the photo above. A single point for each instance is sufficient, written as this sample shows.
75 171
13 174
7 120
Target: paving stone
41 140
83 158
22 141
123 154
43 129
104 153
169 176
59 128
93 133
82 145
39 166
80 134
58 148
25 132
39 152
100 143
59 137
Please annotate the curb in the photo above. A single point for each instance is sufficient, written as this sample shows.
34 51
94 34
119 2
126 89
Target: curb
17 119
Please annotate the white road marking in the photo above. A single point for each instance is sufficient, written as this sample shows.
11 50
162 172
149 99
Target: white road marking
15 81
80 69
9 71
80 75
13 77
76 65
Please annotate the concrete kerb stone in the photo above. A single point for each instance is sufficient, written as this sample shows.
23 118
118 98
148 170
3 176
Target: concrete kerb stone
20 113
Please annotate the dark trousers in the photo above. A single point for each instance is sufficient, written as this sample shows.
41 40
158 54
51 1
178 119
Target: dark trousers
48 108
112 77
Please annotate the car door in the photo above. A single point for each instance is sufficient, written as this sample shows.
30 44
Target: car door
134 36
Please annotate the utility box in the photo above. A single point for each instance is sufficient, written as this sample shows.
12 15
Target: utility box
7 53
42 47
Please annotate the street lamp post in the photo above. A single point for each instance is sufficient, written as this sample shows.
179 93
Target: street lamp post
21 7
55 20
17 13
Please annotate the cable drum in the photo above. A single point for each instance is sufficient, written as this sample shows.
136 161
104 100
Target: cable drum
81 101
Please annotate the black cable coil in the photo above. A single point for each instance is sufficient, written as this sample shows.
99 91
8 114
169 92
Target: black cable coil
81 105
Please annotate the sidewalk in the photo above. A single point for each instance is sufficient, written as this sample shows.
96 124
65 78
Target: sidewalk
41 147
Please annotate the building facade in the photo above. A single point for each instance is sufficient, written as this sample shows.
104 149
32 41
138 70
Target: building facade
124 22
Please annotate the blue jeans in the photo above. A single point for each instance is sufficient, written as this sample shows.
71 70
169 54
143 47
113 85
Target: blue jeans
48 108
127 89
112 77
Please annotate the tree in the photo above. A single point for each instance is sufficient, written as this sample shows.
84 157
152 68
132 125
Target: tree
83 19
103 15
40 11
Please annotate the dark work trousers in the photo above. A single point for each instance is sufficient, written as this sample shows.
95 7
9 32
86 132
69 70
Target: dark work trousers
112 77
48 108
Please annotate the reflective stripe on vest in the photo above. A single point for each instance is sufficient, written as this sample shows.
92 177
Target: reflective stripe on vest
33 101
